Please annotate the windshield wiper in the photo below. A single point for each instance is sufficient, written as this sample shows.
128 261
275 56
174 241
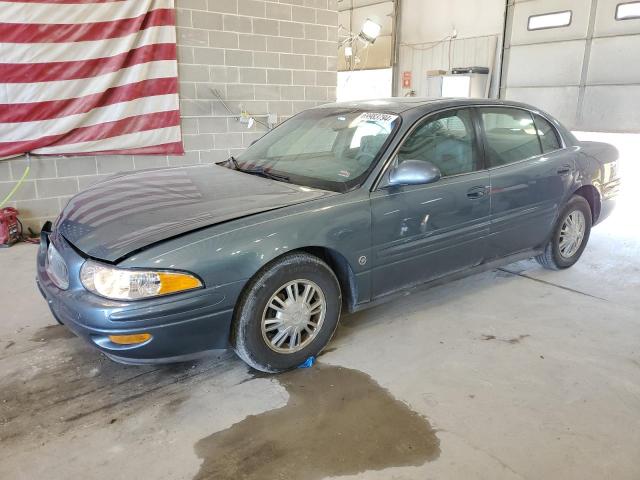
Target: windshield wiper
260 171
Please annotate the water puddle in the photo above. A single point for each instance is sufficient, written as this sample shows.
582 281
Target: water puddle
337 422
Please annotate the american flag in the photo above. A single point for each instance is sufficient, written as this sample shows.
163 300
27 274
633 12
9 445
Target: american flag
88 77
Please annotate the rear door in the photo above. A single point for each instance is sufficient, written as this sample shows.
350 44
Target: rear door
422 232
530 176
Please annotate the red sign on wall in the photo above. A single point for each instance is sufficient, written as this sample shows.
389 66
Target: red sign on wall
406 79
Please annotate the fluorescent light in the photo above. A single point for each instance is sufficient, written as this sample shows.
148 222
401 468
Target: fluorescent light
549 20
370 30
626 11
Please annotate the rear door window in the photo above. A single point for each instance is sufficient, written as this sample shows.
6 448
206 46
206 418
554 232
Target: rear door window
510 135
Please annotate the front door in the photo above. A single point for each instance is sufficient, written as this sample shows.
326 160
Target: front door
422 232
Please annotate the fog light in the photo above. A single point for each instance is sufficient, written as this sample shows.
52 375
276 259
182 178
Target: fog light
130 339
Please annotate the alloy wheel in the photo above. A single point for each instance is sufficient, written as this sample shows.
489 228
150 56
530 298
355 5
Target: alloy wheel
572 234
293 316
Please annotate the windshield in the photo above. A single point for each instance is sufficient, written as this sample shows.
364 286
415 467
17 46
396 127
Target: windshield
331 149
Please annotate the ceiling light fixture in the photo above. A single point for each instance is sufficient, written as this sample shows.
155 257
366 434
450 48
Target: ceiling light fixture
370 31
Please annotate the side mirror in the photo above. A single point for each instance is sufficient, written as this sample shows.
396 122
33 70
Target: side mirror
414 172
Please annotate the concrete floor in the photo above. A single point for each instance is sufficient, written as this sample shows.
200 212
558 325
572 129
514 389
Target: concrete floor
516 373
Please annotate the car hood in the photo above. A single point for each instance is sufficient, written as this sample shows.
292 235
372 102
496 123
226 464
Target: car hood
129 212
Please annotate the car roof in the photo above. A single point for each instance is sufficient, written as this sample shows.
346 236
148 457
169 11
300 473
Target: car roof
402 104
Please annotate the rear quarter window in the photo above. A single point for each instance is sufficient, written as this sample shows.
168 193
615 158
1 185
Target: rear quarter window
548 135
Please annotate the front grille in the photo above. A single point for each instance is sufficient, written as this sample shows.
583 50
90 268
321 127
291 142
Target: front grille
56 268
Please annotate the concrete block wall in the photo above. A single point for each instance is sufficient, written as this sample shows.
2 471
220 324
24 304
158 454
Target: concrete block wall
262 56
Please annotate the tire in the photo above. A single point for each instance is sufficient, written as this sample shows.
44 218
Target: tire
256 325
553 257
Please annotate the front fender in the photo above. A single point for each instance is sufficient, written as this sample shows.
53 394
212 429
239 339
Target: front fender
232 253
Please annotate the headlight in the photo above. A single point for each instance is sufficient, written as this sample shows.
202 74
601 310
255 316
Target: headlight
124 284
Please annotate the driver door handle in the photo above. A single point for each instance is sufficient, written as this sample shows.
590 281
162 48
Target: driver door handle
564 170
476 192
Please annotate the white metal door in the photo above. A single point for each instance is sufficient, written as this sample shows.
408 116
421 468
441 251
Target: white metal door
582 66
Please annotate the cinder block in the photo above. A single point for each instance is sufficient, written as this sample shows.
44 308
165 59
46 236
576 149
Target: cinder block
267 92
185 54
315 32
278 11
205 91
293 92
224 74
326 48
238 58
76 166
228 140
193 73
252 8
303 14
26 191
57 187
257 43
279 44
266 59
327 17
209 56
193 4
253 75
188 126
212 125
5 171
224 6
141 162
307 47
197 142
220 39
114 163
195 107
292 29
302 77
234 23
279 77
240 92
315 62
263 26
291 61
323 4
41 167
183 18
206 20
281 107
187 90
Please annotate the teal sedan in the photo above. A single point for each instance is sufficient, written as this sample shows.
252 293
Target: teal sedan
339 208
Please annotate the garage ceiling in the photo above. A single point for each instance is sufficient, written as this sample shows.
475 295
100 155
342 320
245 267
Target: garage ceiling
586 73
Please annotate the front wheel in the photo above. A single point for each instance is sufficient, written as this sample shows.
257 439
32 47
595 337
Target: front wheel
287 313
570 236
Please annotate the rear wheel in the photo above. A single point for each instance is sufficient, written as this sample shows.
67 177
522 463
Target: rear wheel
570 236
287 313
